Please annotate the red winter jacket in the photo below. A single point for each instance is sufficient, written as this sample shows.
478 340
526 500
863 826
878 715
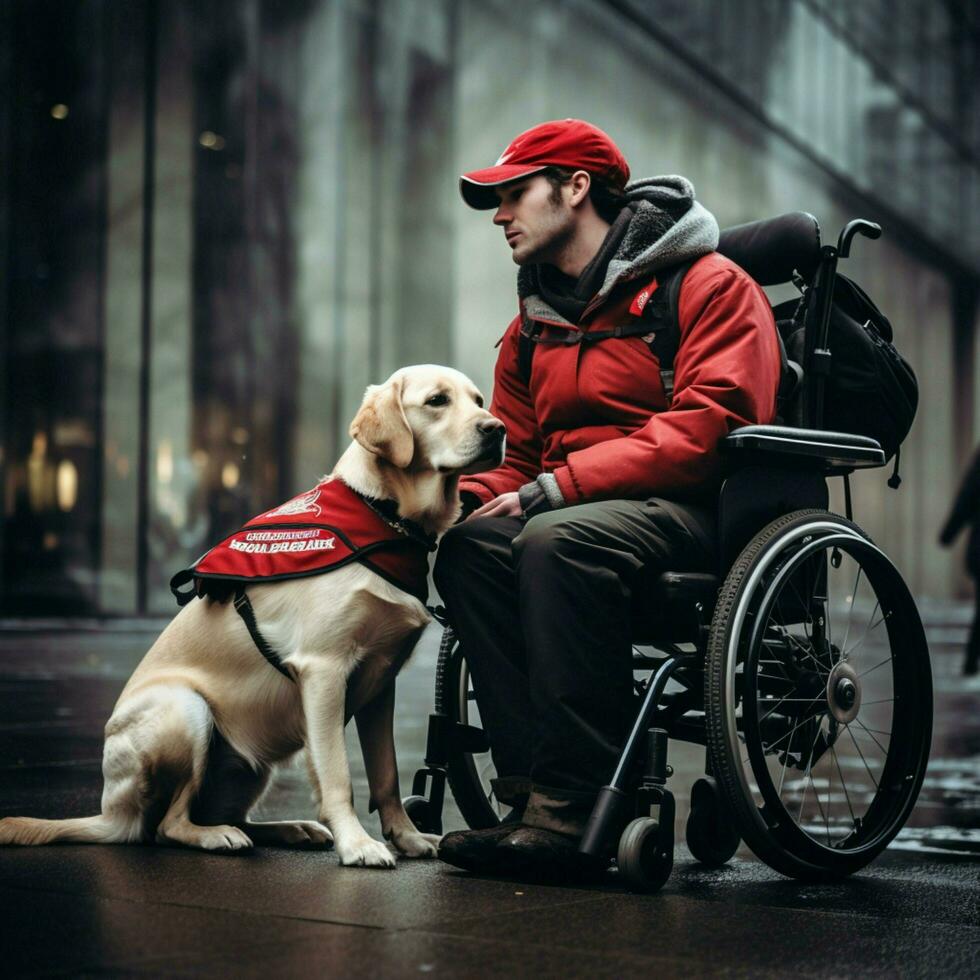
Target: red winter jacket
595 415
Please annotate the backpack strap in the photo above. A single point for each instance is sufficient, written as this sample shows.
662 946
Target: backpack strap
662 315
659 318
525 349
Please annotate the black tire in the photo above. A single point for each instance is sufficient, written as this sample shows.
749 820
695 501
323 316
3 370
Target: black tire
419 811
775 695
710 831
468 774
643 859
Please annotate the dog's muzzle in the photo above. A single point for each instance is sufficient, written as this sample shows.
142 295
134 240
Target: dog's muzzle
490 455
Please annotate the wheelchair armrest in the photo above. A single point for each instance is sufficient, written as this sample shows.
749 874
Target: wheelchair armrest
831 452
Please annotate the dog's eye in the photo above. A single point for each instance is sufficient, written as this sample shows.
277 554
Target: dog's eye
437 400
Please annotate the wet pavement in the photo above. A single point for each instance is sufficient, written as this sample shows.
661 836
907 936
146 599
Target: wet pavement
91 910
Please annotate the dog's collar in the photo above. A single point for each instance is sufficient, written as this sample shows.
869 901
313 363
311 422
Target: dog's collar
387 510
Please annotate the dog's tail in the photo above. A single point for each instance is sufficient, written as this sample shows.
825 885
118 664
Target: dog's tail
100 829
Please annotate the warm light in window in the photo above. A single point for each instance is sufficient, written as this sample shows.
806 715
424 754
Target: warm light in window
36 472
165 462
229 475
239 435
211 141
50 541
59 111
67 485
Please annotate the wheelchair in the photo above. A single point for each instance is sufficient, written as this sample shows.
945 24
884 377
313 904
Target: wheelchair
802 665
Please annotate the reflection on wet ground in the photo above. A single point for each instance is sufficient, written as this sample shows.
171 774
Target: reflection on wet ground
80 910
57 689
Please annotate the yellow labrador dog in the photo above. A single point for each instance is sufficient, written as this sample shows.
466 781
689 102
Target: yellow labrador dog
203 720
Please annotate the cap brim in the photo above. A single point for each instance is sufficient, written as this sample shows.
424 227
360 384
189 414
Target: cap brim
477 187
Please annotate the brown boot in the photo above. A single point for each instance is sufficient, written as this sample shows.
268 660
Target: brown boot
473 850
537 854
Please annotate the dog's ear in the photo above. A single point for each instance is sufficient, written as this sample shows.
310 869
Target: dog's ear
380 425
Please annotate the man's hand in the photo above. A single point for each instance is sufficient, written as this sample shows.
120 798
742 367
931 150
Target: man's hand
506 505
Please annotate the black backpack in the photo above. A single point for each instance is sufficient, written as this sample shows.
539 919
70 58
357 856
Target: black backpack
872 390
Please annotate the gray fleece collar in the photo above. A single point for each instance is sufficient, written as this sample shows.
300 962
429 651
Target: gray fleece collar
668 227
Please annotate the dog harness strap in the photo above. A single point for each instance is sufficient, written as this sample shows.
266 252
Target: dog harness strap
182 578
244 609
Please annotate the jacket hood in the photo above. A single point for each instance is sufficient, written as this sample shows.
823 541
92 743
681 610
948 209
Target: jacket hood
668 227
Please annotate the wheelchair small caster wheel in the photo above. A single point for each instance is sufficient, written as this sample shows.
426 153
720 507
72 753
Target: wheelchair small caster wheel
711 837
419 811
645 856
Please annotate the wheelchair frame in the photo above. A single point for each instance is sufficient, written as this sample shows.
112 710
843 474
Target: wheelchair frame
786 469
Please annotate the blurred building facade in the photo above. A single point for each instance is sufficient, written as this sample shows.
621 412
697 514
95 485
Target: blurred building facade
222 219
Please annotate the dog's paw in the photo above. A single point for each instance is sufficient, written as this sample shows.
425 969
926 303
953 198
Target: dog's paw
416 845
364 852
315 833
223 839
291 833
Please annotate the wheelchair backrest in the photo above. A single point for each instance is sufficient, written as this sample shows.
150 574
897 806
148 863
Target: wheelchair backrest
776 251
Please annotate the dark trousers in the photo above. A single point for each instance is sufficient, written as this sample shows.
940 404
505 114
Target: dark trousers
546 612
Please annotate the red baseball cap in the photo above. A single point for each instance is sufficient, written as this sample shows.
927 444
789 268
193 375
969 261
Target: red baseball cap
570 143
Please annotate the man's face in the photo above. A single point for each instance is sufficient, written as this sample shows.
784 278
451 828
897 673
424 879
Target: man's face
537 221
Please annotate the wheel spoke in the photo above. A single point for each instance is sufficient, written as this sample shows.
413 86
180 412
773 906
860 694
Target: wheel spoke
772 709
833 752
873 628
876 666
782 775
807 773
860 753
854 591
807 651
816 796
847 653
828 624
806 700
768 749
873 739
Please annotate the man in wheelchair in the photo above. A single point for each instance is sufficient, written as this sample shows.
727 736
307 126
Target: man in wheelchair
612 468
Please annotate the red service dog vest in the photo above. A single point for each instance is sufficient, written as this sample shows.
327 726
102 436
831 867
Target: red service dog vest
318 531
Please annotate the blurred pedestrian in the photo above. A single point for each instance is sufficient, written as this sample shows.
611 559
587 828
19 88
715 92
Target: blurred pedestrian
966 510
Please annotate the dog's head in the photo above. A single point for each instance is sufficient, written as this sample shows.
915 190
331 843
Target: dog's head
429 418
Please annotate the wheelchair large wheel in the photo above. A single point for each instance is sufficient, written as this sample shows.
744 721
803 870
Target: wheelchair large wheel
818 719
469 772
